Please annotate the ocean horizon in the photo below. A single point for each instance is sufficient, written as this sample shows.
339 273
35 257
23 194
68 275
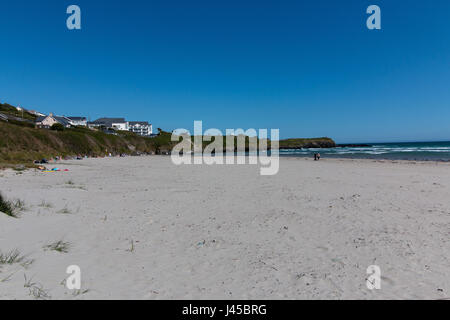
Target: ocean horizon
420 151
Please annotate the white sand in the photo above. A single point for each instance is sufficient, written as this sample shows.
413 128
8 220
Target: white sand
225 232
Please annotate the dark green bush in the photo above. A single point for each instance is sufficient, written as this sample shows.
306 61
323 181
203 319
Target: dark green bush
57 127
6 207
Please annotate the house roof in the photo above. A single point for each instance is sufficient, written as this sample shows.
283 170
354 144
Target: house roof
63 120
108 122
142 123
112 120
36 113
40 118
77 118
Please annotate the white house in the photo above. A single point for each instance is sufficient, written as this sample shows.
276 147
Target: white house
122 126
142 128
116 123
48 121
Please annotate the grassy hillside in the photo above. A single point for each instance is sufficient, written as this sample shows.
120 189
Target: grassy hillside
12 111
307 143
22 144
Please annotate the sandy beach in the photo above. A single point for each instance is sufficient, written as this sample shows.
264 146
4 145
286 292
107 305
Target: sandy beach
143 228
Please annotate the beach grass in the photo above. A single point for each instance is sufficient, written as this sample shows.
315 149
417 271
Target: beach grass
6 207
45 204
59 246
11 257
11 208
36 289
65 210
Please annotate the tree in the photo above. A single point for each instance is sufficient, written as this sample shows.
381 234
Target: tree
57 127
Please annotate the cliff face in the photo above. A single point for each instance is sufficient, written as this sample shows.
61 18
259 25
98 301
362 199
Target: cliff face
307 143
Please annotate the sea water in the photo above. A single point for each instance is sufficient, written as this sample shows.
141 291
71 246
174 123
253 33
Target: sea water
433 151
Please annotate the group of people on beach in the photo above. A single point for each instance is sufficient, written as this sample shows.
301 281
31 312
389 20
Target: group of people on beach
316 156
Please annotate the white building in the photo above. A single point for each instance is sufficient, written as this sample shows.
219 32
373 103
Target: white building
122 126
48 121
115 123
142 128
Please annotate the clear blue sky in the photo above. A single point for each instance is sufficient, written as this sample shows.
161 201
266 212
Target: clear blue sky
309 68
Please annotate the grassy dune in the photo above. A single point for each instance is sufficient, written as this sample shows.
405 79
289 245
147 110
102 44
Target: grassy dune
20 144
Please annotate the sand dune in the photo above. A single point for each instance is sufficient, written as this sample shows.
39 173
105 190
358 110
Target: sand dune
142 228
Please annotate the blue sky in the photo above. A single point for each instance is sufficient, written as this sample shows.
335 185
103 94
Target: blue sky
309 68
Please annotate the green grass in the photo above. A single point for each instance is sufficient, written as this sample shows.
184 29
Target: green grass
19 205
6 207
64 210
307 143
10 110
45 204
11 208
11 257
131 246
77 293
7 278
35 289
59 246
21 144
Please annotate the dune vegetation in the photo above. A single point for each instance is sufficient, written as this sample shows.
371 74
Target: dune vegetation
23 144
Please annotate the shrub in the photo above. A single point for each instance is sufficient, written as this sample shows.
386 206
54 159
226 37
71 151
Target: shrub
6 207
57 127
11 208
